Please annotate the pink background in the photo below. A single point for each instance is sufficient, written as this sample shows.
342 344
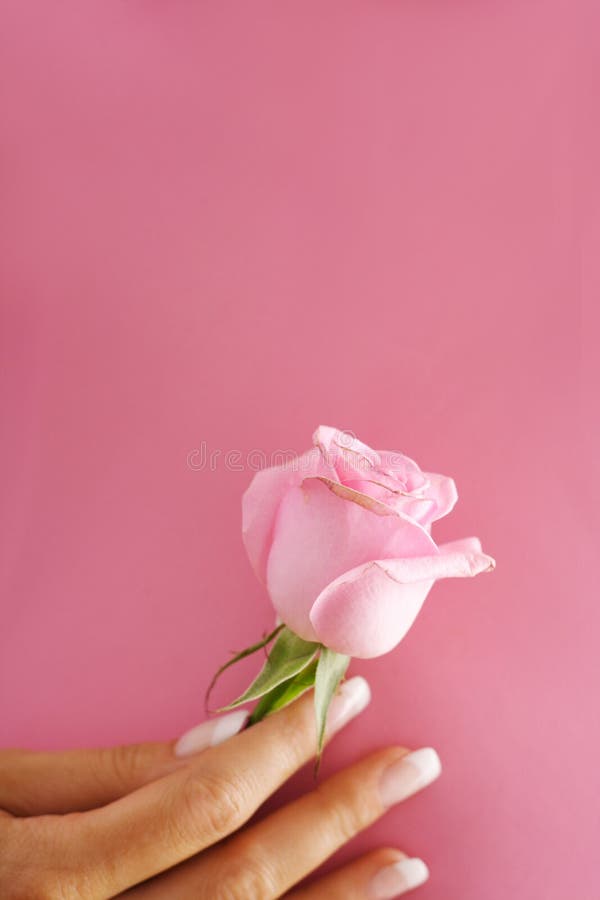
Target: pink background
229 222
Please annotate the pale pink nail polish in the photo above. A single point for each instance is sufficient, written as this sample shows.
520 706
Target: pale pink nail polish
408 775
211 733
393 881
351 698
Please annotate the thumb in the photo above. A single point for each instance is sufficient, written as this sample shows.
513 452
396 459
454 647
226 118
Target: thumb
36 783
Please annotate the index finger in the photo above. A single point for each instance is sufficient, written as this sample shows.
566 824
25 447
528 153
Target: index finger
175 817
34 783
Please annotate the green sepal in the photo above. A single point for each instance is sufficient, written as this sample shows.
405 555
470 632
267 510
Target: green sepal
241 655
284 693
289 656
331 669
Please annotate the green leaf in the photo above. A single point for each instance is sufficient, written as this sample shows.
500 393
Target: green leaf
284 693
289 655
330 671
243 653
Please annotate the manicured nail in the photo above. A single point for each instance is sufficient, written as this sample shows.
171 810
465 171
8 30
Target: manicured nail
394 880
211 733
408 775
352 697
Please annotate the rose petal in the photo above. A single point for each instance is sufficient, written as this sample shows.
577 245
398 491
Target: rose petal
449 564
376 483
335 441
421 510
343 451
318 536
385 496
262 498
443 490
464 545
403 468
366 611
365 500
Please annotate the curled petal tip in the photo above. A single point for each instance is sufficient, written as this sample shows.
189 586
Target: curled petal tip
480 562
491 563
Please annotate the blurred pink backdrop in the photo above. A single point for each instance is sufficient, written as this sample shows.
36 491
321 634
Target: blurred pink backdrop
230 222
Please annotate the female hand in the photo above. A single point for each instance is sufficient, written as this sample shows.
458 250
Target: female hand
95 823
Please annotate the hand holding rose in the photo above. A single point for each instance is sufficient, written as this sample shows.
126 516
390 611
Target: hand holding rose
341 538
174 819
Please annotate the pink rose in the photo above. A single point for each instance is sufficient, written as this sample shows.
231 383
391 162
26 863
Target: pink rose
341 537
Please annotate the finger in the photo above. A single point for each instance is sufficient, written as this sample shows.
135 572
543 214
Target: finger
173 818
33 783
272 856
380 875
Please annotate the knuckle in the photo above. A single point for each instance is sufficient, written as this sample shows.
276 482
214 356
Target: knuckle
249 876
226 803
344 815
119 764
209 806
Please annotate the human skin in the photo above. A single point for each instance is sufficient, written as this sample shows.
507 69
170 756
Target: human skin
150 819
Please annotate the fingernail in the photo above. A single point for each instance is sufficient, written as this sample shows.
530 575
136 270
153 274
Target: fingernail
394 880
211 733
352 697
408 775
